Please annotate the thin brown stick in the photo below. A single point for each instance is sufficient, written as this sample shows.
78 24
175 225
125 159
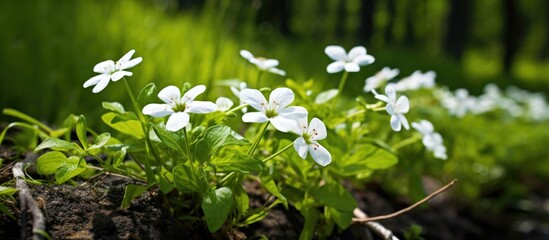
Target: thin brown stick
382 217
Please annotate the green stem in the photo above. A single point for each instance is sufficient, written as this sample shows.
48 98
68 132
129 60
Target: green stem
257 139
258 80
134 102
187 147
340 87
236 108
406 142
278 153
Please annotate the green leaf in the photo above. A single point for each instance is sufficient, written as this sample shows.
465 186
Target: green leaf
269 184
235 161
49 162
171 139
214 138
187 180
129 127
7 191
165 181
119 157
114 106
131 192
81 130
5 210
100 141
363 159
56 144
342 218
147 94
69 169
216 206
380 159
334 195
311 217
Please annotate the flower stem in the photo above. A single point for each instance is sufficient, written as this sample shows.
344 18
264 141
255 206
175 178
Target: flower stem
340 87
406 142
134 102
278 153
257 139
237 108
187 148
258 79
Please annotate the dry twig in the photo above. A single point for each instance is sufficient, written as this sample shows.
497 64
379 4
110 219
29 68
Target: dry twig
26 202
382 217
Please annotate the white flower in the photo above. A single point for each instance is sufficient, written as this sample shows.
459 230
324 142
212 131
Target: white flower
416 81
395 107
109 70
263 64
307 142
381 77
459 103
276 110
350 62
223 104
179 107
236 92
431 139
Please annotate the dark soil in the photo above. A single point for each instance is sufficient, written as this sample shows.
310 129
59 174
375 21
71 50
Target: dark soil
90 210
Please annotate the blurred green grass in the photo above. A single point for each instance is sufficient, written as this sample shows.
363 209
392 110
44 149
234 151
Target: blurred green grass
50 47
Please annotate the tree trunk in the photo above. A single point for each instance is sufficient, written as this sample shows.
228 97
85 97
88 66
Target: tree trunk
366 20
513 26
458 23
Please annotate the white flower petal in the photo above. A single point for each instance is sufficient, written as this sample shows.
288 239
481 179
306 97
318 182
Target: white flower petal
381 97
294 112
277 71
352 67
94 80
177 121
281 98
246 54
428 141
320 154
337 53
364 60
317 129
301 147
119 75
170 95
192 93
299 127
131 63
104 67
201 107
335 67
254 98
395 123
127 56
390 92
403 104
282 124
402 119
256 117
101 85
264 64
157 110
356 51
223 104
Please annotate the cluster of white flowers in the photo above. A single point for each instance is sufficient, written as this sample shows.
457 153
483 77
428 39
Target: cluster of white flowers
431 140
516 102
